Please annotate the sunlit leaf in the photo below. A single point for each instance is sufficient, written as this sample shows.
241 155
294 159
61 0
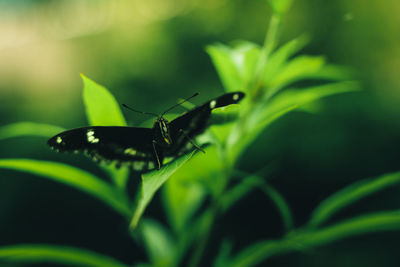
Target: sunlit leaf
235 65
181 200
56 255
103 110
279 57
349 195
331 72
73 177
295 70
158 242
299 97
29 129
101 107
151 182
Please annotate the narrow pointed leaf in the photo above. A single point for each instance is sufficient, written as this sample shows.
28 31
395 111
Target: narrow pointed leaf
101 107
26 128
56 255
151 182
349 195
278 58
158 242
255 182
103 110
298 241
73 177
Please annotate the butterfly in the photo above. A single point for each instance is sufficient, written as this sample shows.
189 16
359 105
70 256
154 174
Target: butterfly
142 148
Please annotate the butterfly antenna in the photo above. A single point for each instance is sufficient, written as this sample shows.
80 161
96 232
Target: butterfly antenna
180 103
138 111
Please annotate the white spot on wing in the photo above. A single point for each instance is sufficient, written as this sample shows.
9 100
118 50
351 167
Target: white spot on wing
235 97
213 103
91 138
59 140
130 151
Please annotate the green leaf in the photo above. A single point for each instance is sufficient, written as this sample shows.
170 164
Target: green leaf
264 114
56 255
74 177
158 242
101 107
151 182
182 199
349 195
241 136
252 182
297 241
28 129
222 259
185 192
103 110
299 97
235 65
278 59
297 69
369 223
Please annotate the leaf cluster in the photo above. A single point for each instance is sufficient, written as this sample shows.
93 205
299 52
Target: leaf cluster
198 188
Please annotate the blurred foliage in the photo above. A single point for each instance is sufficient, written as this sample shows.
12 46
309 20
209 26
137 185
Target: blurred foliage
149 53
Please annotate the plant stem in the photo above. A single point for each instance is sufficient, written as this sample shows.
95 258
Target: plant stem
209 217
270 41
205 236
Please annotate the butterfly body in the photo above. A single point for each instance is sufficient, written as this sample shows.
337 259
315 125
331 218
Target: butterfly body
142 148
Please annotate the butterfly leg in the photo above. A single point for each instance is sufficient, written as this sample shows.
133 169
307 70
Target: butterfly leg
191 141
156 154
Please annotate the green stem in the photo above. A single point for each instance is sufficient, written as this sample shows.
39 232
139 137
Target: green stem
270 41
205 233
208 218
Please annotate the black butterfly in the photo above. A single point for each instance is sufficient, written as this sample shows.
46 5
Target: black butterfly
142 148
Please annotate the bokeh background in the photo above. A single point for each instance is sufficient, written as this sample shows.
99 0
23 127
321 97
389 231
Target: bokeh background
149 54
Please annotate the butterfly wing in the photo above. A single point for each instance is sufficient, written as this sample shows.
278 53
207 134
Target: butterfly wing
195 121
125 145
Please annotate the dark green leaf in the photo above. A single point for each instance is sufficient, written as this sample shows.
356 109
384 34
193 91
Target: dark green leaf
56 255
370 223
350 195
74 177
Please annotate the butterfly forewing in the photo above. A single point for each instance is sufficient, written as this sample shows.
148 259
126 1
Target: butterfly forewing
194 122
142 148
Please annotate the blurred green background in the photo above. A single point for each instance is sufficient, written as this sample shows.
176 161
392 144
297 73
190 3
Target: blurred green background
149 54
